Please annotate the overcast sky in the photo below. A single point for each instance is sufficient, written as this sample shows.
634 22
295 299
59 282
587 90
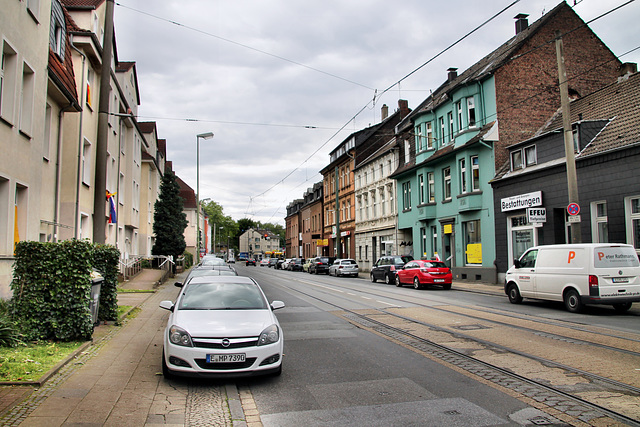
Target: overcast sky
277 80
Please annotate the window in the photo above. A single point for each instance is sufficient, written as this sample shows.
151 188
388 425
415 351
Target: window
86 162
419 146
33 6
429 136
382 202
600 227
374 205
8 81
348 209
26 99
450 122
632 216
475 173
530 156
471 112
516 160
459 111
46 140
121 188
423 241
406 196
407 154
434 239
58 39
472 245
420 189
463 176
431 197
446 176
90 77
442 137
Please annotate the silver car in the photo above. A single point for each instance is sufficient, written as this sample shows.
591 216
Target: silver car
344 267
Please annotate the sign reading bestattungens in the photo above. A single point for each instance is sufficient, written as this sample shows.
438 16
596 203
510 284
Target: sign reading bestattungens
521 201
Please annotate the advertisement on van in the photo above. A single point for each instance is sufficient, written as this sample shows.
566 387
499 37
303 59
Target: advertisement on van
615 257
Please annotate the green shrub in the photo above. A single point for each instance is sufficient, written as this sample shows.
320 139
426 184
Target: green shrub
105 260
188 260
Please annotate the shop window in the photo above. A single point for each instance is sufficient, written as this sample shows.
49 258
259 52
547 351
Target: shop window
473 247
599 222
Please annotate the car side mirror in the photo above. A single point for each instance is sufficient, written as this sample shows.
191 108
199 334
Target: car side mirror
516 263
276 305
167 305
178 284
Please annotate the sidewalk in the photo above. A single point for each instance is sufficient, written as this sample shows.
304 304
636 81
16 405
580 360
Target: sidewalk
18 401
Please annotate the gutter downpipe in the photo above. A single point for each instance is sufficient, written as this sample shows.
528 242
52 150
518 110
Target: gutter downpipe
80 143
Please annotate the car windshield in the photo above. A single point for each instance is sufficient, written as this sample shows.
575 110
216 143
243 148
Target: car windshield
212 272
212 261
323 260
222 296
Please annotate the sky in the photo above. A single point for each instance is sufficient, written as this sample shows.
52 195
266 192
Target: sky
281 83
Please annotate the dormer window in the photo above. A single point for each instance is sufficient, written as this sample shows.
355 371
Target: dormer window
523 157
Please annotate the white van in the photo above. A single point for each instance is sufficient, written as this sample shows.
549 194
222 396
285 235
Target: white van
578 274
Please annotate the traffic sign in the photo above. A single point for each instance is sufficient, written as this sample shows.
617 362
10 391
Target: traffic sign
573 209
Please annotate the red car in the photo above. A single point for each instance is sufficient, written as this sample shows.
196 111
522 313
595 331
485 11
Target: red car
423 273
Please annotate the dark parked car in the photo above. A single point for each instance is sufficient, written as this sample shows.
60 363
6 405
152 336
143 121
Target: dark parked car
320 265
273 262
386 266
295 264
251 261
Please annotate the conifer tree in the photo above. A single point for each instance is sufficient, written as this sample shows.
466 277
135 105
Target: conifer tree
169 219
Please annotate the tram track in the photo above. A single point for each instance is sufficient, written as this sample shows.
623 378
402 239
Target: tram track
559 399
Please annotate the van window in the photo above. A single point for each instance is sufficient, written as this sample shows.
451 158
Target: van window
615 257
528 260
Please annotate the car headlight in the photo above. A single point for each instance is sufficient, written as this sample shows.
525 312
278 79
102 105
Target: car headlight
269 336
179 336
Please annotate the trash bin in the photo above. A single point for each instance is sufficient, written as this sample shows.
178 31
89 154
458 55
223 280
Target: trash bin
96 285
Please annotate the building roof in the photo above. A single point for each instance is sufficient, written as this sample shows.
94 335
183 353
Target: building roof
617 103
187 194
487 65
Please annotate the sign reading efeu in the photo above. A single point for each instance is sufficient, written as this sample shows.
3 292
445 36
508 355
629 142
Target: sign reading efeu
536 215
521 201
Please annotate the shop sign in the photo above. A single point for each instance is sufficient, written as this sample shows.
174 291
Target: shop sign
345 233
536 215
322 242
521 201
474 253
448 228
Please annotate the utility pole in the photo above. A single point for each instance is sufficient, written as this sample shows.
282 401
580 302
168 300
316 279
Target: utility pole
100 184
572 177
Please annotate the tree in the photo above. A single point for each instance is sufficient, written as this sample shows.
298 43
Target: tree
218 219
169 219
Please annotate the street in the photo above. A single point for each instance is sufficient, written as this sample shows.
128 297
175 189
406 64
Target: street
362 353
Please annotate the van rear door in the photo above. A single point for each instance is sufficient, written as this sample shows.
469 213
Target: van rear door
618 271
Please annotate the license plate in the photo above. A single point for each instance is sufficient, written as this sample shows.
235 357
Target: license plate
226 358
620 280
438 280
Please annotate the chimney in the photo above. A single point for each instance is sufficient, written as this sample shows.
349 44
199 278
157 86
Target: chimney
403 105
384 112
452 74
522 23
628 68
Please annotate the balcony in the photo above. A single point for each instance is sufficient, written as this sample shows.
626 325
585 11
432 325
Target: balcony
470 201
428 211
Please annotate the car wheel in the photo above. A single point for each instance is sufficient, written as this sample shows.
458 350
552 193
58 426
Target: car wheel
388 280
446 286
373 278
416 283
572 301
398 282
622 307
514 294
166 372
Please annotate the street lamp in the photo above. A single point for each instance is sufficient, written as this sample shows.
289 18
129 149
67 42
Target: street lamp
207 135
219 235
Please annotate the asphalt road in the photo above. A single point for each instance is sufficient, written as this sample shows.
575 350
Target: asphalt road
336 373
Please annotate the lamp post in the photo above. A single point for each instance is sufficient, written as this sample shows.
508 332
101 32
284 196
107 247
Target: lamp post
207 135
220 235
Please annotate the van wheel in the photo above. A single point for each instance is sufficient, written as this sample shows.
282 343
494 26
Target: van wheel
416 283
622 307
514 294
572 301
388 280
373 279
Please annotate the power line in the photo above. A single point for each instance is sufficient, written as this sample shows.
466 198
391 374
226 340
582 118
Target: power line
244 46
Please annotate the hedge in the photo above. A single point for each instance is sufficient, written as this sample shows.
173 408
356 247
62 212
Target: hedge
52 288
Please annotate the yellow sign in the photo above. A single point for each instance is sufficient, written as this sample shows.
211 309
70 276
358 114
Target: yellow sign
322 242
474 253
448 228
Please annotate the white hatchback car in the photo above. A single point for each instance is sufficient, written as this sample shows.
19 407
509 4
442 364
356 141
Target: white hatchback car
344 267
222 326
